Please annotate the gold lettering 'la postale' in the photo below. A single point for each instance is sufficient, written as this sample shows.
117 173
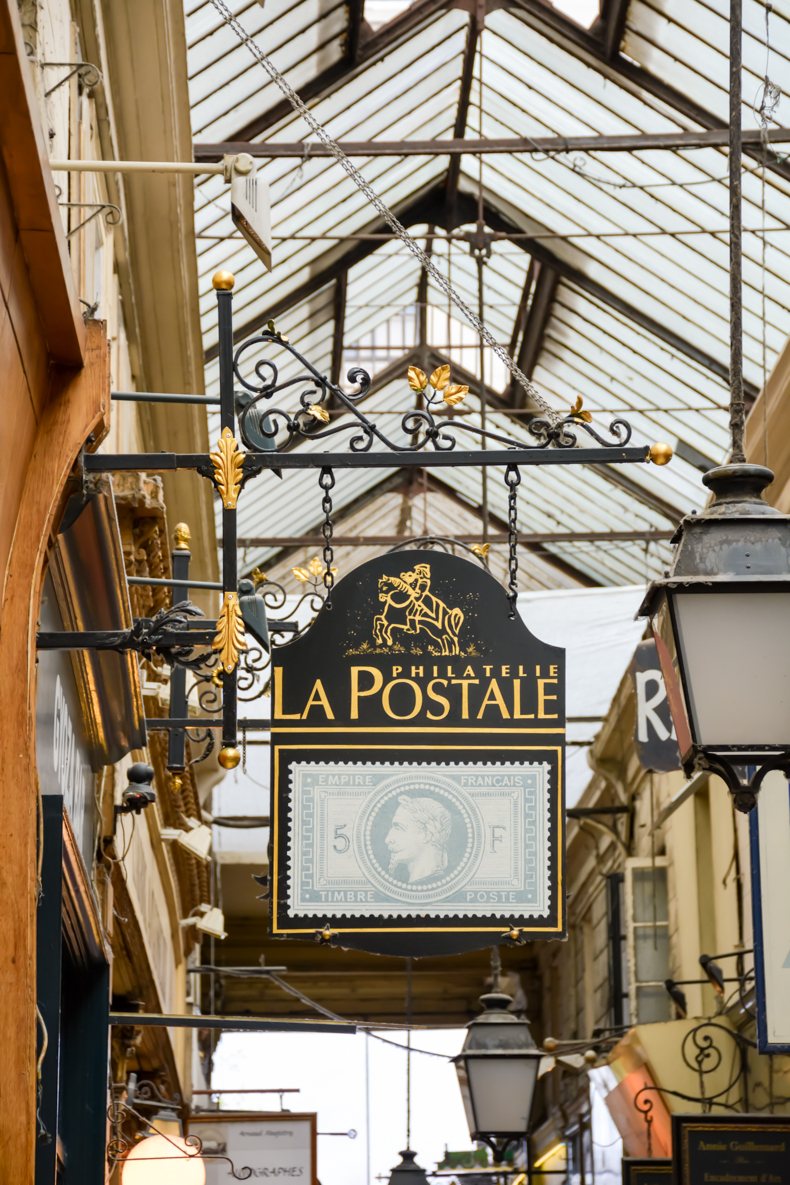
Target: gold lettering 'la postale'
447 684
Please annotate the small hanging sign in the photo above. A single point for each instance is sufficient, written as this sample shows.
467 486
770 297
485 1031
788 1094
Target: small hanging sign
418 736
656 743
646 1172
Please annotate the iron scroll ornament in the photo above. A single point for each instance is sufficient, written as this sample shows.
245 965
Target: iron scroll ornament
700 1053
265 427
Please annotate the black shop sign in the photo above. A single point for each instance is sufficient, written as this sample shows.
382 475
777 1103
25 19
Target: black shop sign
418 737
731 1150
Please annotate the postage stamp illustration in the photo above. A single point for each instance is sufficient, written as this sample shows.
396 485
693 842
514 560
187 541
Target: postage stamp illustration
452 840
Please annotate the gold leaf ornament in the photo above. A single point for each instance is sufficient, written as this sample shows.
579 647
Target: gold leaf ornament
416 378
319 413
315 567
228 463
258 577
440 377
481 550
454 394
301 574
585 417
230 638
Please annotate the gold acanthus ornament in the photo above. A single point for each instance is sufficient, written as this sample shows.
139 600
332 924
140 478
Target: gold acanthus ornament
228 462
230 638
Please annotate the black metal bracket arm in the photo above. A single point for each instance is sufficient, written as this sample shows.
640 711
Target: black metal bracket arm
172 633
744 782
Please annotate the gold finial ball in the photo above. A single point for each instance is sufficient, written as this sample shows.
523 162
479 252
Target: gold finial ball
551 1044
182 536
590 1056
223 281
229 757
660 453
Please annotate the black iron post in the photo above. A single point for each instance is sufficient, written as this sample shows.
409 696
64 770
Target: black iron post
176 737
223 283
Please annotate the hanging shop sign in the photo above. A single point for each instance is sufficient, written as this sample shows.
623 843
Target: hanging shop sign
770 860
656 745
417 745
737 1148
277 1146
646 1172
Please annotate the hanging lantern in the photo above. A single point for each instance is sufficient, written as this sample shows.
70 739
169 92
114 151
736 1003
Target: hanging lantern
721 620
408 1172
497 1072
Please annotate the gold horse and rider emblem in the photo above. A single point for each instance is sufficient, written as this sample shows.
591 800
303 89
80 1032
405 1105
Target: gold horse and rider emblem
410 606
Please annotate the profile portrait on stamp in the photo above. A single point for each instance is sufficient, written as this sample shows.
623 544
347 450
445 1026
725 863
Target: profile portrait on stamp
418 837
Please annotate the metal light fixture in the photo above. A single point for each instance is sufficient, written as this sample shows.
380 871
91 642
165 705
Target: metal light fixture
721 620
497 1072
408 1172
721 616
208 920
164 1160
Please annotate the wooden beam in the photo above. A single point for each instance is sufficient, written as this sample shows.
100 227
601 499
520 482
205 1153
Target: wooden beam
460 145
78 406
39 226
356 17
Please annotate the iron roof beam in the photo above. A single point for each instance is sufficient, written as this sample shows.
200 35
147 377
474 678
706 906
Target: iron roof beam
537 318
339 318
459 146
368 49
591 287
464 100
610 26
589 47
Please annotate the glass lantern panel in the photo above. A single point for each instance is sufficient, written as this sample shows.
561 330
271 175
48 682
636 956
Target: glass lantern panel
502 1090
735 651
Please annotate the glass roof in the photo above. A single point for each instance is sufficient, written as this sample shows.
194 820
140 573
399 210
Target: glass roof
615 262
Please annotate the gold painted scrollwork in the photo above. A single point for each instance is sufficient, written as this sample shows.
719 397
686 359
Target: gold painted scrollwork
230 638
228 462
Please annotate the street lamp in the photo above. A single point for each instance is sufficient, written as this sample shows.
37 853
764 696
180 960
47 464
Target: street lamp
408 1172
721 616
721 620
164 1160
497 1072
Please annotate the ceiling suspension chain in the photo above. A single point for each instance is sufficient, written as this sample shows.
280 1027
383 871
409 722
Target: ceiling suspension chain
512 481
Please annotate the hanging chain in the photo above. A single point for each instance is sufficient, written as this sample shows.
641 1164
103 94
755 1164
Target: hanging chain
512 481
326 480
383 210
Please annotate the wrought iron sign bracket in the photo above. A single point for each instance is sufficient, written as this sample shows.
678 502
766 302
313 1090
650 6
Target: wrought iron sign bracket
257 435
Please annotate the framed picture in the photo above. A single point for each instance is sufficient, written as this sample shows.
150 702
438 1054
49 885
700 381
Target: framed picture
273 1144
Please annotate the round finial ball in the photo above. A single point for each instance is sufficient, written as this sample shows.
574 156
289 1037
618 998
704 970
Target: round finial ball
551 1044
591 1057
229 757
223 281
661 453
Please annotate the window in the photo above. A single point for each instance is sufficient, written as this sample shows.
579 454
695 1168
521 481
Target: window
647 917
619 1002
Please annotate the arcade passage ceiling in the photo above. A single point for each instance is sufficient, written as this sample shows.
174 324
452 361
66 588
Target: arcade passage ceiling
566 170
